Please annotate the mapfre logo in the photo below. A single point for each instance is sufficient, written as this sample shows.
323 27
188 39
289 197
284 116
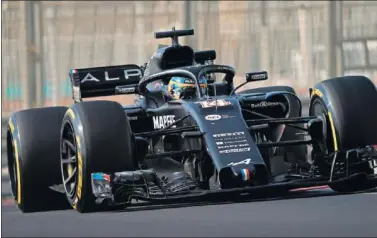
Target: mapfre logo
160 122
212 117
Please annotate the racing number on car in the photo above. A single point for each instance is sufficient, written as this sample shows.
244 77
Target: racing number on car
215 103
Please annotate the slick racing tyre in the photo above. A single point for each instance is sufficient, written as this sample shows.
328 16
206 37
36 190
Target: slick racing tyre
292 153
95 137
33 152
349 104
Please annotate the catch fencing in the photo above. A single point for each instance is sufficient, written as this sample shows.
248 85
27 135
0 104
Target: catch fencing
297 42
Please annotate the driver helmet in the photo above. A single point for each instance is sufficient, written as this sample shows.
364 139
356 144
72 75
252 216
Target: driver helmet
184 88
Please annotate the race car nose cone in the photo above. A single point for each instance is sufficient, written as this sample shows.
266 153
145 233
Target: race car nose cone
237 177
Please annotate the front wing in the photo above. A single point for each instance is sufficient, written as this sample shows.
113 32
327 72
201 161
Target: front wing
124 188
191 196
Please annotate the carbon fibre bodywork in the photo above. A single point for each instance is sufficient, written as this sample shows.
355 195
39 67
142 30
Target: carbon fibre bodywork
223 142
224 138
122 189
213 143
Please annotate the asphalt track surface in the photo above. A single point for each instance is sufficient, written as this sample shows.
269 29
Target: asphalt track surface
314 214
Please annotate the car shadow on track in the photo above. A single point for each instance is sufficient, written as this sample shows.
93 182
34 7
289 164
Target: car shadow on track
292 195
10 205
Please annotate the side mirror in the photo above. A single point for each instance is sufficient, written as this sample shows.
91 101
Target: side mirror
256 76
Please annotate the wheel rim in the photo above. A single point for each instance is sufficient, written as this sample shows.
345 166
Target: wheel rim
69 160
12 169
318 108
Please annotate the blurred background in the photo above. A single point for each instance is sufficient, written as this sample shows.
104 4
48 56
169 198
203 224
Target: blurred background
298 42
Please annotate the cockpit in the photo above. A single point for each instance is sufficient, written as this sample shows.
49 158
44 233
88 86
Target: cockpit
178 57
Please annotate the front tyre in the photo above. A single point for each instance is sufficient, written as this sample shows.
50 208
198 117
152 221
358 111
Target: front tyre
95 137
349 104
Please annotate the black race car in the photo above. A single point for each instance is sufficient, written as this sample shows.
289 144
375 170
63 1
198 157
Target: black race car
222 145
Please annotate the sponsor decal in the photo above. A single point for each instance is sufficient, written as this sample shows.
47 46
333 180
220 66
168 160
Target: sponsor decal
127 74
246 161
233 142
89 78
232 146
229 134
227 140
234 150
218 67
258 76
160 122
189 81
125 89
132 118
227 116
76 93
265 104
214 103
213 117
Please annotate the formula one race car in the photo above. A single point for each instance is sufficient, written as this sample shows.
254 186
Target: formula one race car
210 143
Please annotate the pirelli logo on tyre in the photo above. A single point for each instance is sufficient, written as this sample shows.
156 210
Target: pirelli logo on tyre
14 133
11 126
79 165
71 113
316 92
18 173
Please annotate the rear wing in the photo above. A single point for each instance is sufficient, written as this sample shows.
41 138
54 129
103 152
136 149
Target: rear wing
104 81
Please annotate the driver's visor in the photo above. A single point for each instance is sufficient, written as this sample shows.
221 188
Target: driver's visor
181 87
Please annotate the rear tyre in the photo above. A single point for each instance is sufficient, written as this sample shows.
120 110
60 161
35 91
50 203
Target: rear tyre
33 152
95 137
349 106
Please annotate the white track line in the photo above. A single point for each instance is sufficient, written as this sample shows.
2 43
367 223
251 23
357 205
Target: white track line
310 188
